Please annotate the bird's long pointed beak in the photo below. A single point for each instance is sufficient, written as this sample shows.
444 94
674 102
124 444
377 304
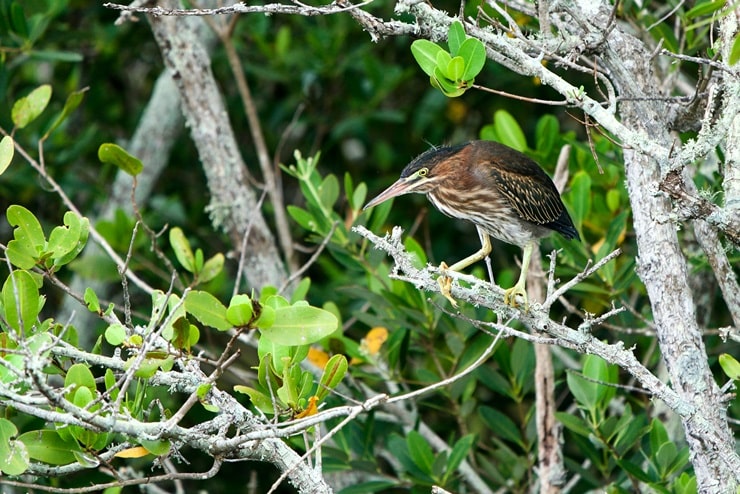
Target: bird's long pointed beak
400 187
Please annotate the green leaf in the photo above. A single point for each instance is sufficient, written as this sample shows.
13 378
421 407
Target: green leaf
658 436
73 101
27 109
574 424
734 51
334 371
508 130
303 218
211 268
260 400
580 197
612 200
66 242
455 69
425 53
18 20
502 425
184 335
634 470
266 318
240 310
79 376
359 195
546 134
420 451
48 447
207 309
300 325
704 8
115 334
448 88
584 391
28 229
443 60
14 458
730 366
458 453
115 155
158 448
664 457
474 54
6 153
21 301
455 37
301 290
329 191
91 299
56 56
183 251
596 369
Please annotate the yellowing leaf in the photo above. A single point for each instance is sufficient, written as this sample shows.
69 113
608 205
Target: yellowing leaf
317 357
311 409
136 452
374 339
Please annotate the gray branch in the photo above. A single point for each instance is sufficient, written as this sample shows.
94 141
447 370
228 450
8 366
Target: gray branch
233 206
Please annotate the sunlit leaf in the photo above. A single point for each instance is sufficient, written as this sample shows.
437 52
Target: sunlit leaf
73 101
425 53
21 302
300 325
48 447
115 155
28 108
7 149
509 131
730 366
207 309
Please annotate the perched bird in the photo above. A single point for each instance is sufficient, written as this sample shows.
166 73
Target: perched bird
504 193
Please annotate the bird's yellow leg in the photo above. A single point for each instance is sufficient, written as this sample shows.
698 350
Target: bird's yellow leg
520 287
485 249
445 282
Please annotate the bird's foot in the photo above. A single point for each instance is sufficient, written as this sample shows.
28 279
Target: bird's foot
511 294
445 284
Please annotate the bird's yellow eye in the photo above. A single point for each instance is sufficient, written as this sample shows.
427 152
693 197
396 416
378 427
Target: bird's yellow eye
423 172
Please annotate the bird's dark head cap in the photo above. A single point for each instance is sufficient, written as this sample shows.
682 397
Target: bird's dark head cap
418 176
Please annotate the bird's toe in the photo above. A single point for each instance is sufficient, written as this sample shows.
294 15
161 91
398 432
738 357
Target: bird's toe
510 296
445 285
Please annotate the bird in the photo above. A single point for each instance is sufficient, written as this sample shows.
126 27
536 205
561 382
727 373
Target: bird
502 191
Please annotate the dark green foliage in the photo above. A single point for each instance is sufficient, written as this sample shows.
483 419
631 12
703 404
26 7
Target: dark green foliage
369 110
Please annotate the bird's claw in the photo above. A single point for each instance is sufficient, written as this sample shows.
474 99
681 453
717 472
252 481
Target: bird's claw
510 297
445 285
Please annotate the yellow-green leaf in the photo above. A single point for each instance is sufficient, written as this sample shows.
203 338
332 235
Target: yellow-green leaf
116 155
27 109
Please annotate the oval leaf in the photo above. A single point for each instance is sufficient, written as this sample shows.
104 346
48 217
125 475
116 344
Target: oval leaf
455 69
6 153
116 155
73 101
455 37
474 54
508 130
21 302
27 109
48 447
207 309
730 366
300 325
183 251
425 53
334 371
